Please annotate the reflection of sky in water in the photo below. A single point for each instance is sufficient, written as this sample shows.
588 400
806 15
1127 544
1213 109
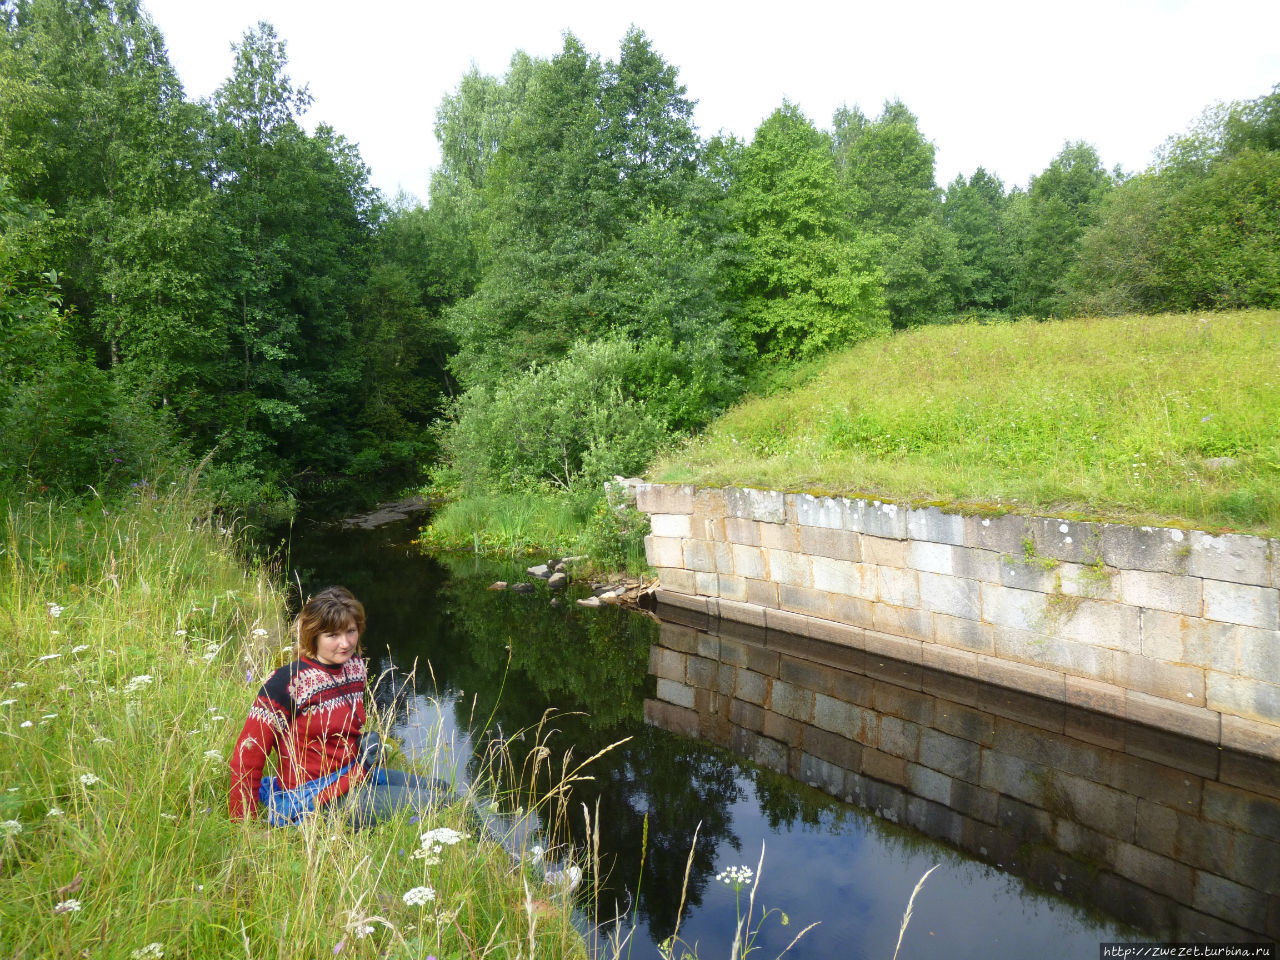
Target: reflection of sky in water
858 884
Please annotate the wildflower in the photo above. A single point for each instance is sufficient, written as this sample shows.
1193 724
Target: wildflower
428 856
536 854
150 950
67 906
442 836
212 755
26 723
736 877
259 632
80 648
17 685
54 812
216 718
89 779
55 610
55 633
248 676
169 816
8 703
337 947
179 633
48 716
138 682
363 930
419 896
48 656
568 878
10 828
103 740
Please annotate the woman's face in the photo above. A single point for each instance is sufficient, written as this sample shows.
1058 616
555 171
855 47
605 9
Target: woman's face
337 647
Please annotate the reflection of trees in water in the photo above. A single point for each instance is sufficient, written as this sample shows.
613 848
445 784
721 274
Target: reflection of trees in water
596 662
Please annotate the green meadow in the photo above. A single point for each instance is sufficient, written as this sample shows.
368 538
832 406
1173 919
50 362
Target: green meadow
1171 419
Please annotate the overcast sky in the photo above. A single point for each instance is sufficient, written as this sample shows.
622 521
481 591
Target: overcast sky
996 84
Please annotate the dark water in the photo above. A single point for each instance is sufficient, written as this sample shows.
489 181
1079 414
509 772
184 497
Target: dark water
1054 829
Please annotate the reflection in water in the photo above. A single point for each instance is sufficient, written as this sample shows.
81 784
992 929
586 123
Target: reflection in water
1169 834
727 733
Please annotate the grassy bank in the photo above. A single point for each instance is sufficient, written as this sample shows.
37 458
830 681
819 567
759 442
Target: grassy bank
542 522
1163 418
138 639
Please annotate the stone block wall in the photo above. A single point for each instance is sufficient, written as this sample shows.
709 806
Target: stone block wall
1174 835
1176 629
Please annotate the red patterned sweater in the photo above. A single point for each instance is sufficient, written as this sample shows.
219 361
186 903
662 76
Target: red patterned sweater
311 714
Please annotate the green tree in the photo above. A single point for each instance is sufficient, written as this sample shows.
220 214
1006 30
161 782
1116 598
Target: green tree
974 213
806 283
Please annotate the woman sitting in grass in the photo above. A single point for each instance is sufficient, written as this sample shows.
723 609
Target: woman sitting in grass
311 712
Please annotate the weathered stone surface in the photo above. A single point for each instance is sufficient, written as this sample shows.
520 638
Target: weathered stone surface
1154 871
1003 534
771 755
953 756
930 523
1040 681
708 585
810 511
833 631
676 579
1229 557
699 556
884 552
937 657
747 715
853 610
680 694
786 621
929 783
1172 681
1088 580
805 600
1158 549
790 568
743 531
930 557
1007 607
910 623
845 719
669 716
723 554
1252 699
837 544
1022 573
701 672
667 664
892 645
975 564
1191 721
899 587
1252 736
878 519
1067 540
950 595
670 525
1110 625
664 551
654 498
846 578
732 589
1229 900
899 737
1259 654
960 632
765 505
965 722
1242 603
1095 695
1160 591
780 536
762 593
752 687
1242 810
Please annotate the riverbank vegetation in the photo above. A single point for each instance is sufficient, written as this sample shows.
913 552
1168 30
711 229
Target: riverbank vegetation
1169 418
590 278
139 638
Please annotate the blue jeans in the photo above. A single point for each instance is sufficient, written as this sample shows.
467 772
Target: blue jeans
370 802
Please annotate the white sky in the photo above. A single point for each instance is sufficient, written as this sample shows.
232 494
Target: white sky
996 83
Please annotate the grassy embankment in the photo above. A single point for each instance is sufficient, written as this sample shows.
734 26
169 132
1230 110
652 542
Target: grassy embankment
137 640
1169 419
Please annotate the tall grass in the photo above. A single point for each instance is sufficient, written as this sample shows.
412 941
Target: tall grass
138 638
1138 418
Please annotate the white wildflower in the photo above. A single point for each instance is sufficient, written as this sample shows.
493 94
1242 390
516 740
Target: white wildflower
138 682
17 685
179 633
55 633
419 896
443 836
67 906
169 816
212 755
54 812
80 648
259 632
536 854
7 703
736 877
430 857
26 723
48 716
48 656
216 718
55 610
363 930
12 789
89 779
567 879
103 740
10 828
147 952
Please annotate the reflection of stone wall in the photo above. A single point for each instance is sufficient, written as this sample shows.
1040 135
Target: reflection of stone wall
1175 836
1180 630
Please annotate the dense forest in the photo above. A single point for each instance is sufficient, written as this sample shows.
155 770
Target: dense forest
590 276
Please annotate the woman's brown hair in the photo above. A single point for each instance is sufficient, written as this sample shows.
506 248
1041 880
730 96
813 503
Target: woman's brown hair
329 611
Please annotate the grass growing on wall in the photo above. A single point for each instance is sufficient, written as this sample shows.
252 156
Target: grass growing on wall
1137 418
137 639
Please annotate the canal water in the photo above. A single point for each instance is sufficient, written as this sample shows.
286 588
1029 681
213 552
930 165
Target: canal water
1053 830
